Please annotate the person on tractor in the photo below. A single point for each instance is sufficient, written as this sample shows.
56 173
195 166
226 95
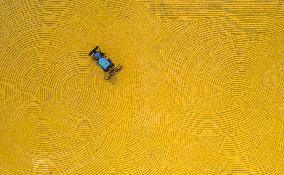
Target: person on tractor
106 64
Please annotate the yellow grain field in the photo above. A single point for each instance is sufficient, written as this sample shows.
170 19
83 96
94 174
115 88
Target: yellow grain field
201 92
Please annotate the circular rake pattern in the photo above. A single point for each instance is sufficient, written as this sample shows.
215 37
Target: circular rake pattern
201 91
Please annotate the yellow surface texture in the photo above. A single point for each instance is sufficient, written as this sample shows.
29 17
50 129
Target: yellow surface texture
201 92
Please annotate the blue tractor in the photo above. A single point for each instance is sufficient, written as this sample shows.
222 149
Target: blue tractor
105 63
